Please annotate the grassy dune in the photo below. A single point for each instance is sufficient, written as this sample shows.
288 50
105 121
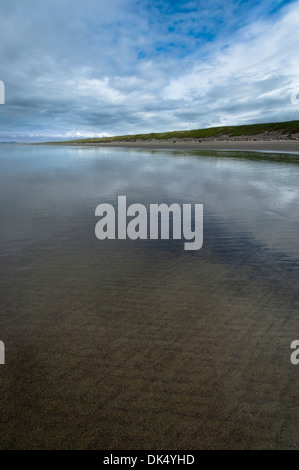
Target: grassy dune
281 128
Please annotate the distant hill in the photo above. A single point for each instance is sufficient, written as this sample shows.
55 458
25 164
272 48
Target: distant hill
268 131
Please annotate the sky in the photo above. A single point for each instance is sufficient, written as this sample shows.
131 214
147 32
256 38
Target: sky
93 68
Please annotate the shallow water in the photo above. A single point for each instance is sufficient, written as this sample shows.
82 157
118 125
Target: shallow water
122 344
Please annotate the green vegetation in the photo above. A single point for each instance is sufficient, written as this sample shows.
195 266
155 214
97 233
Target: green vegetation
283 128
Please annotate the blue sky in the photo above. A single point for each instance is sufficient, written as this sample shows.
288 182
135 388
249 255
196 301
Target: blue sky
87 68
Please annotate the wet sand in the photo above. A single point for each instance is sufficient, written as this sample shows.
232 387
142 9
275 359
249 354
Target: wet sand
142 345
159 358
284 146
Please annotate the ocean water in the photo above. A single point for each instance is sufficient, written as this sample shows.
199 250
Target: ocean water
122 344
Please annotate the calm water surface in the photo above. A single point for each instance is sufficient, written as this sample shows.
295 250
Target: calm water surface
122 344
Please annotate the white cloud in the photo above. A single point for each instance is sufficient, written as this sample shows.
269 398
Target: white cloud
84 74
257 69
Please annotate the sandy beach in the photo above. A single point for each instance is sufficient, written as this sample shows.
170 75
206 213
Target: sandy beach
284 146
149 247
122 344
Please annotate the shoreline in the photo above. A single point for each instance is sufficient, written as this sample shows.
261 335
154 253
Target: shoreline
281 146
